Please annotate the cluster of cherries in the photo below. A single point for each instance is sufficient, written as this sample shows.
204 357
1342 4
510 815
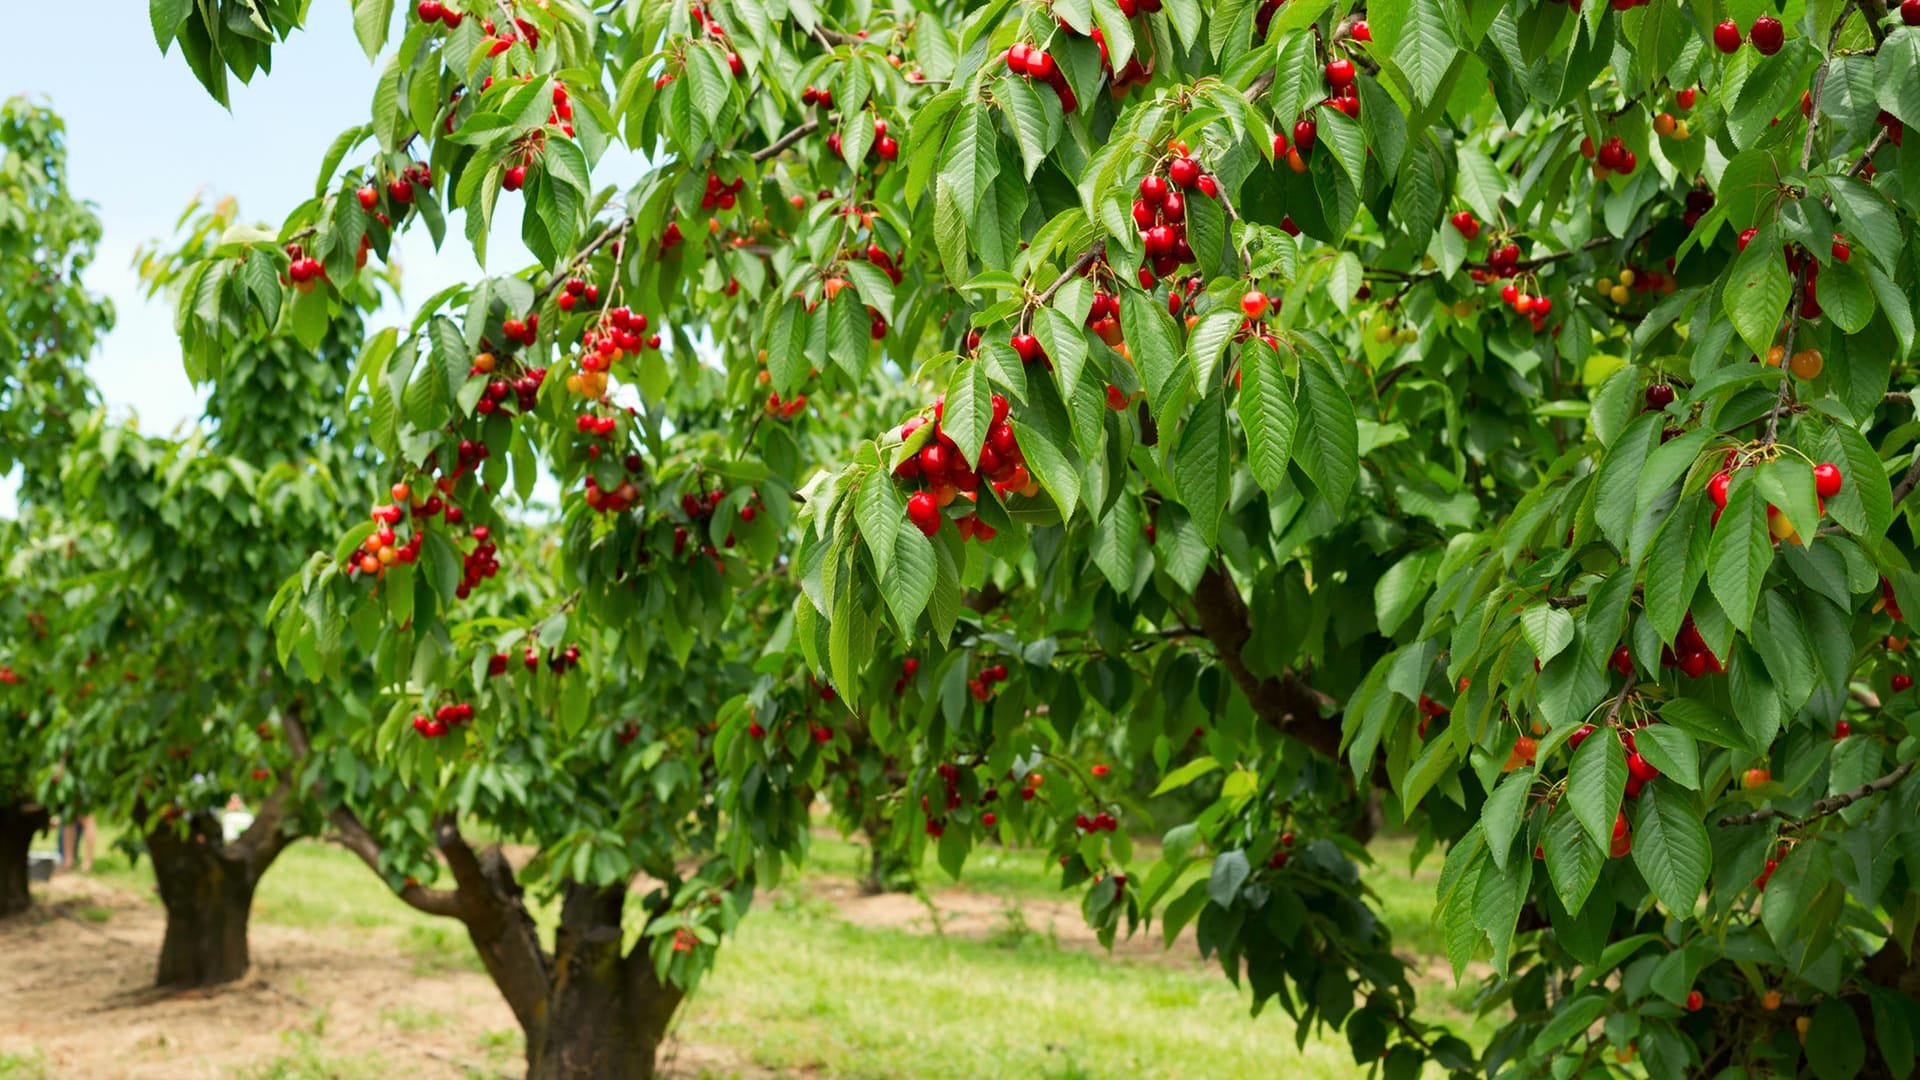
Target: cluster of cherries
1767 35
560 661
515 176
1773 863
1279 858
479 564
1699 204
908 669
7 676
883 147
525 387
719 194
620 333
498 43
303 271
981 685
444 719
562 114
947 476
1100 822
1827 482
1033 62
576 290
788 409
1160 213
1466 224
950 779
701 507
1503 261
432 11
382 548
1340 74
1689 653
1609 157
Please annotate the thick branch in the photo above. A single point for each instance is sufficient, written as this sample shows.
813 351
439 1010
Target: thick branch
1287 702
354 836
498 923
1832 804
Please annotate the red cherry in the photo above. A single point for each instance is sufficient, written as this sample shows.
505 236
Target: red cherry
1153 190
1717 488
1659 396
1116 398
1339 73
924 512
1640 768
1040 65
1694 1000
1361 32
1900 683
430 10
1727 36
1254 303
1910 12
1185 171
1622 836
1826 475
1016 58
1768 35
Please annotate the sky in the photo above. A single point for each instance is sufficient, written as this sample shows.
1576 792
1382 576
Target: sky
144 138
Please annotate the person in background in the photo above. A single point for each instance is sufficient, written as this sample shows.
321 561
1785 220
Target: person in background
77 835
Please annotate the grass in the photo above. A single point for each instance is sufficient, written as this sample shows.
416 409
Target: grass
801 990
28 1066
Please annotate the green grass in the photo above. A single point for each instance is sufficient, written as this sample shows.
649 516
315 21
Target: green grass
28 1066
800 990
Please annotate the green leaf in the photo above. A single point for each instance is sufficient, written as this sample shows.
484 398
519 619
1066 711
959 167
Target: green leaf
1740 553
787 347
1267 413
1502 814
1898 72
910 586
968 410
1327 444
370 21
1672 751
849 333
1573 860
1548 630
1413 35
1756 294
1116 543
879 509
1150 336
1200 468
1185 774
1230 871
1617 491
971 159
1836 1047
1670 845
1596 782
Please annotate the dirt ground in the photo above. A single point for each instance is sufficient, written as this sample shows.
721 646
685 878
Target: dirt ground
76 977
76 998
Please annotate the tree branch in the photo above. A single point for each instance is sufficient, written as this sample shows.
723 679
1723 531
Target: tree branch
773 148
1906 485
1286 702
1079 265
579 260
1832 804
353 836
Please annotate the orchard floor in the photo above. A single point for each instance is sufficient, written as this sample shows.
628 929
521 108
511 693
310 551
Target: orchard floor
348 983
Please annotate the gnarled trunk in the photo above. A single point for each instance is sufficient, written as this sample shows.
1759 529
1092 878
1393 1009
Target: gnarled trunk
588 1010
606 1014
207 887
19 822
208 893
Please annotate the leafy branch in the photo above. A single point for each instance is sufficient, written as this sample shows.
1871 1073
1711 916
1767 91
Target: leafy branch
1832 804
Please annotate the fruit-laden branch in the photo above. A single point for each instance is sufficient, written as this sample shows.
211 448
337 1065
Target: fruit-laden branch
1832 804
1286 702
580 259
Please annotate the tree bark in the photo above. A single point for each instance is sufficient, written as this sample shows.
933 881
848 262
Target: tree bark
588 1011
19 822
607 1014
207 888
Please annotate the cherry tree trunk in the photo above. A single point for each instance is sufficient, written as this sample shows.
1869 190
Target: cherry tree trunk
605 1014
208 892
19 822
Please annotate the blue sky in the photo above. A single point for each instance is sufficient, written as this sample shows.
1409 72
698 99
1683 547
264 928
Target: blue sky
144 138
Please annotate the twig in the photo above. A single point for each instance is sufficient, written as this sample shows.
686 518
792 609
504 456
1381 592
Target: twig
1905 487
786 140
1079 265
579 260
1832 804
